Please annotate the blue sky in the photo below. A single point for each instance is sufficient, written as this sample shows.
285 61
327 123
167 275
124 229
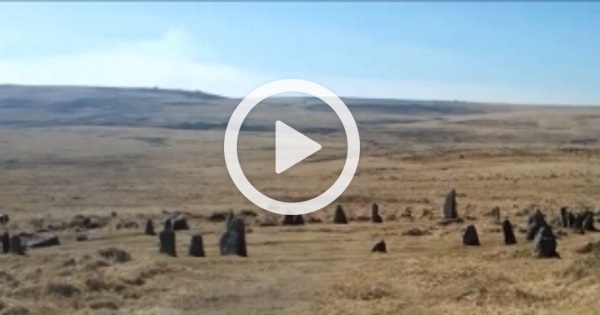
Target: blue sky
506 52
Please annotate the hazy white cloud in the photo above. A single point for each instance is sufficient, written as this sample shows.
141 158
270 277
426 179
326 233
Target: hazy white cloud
174 61
167 62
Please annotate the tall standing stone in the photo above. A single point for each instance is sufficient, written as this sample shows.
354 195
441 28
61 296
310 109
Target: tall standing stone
150 228
196 246
564 217
375 216
509 234
16 247
340 215
470 237
5 243
450 206
167 242
233 241
536 221
544 244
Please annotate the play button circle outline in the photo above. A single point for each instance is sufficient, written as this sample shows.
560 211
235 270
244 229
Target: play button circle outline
232 159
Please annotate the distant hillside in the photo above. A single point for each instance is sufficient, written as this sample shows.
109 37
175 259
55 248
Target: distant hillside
39 106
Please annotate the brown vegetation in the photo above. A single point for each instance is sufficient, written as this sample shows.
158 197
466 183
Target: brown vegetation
71 179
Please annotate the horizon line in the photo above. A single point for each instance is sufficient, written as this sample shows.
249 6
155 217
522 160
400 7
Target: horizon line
473 102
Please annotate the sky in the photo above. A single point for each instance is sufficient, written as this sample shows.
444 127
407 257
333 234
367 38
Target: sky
535 52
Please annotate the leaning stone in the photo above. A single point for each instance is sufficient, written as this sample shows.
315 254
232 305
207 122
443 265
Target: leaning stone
375 216
340 216
5 243
470 237
39 240
16 247
509 234
379 247
233 241
544 244
196 246
450 211
167 243
150 228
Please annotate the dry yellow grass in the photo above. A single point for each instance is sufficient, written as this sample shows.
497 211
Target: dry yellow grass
516 160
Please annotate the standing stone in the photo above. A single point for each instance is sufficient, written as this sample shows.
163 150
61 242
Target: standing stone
379 247
450 206
16 247
5 243
340 215
571 220
233 241
167 242
509 234
179 223
150 228
196 246
375 216
588 222
470 237
290 219
298 219
564 217
544 244
536 221
578 224
496 213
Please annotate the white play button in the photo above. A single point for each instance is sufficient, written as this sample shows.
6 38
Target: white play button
291 147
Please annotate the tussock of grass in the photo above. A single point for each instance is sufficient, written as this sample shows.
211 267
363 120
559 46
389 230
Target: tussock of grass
62 289
115 255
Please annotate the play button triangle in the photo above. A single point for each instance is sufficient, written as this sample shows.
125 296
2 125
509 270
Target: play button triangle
291 147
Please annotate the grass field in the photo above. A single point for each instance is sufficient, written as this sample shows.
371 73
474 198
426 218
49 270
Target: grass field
517 158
